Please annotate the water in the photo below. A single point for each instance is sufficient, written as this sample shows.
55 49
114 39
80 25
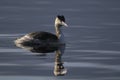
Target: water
92 39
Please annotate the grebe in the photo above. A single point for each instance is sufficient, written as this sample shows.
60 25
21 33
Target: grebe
44 42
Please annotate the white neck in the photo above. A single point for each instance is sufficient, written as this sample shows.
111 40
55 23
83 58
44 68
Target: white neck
59 33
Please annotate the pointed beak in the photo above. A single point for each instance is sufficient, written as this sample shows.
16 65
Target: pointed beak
64 24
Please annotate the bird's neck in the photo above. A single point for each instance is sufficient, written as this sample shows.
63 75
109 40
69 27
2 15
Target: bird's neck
59 33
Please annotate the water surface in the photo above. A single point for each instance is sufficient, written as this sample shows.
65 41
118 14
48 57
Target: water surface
92 39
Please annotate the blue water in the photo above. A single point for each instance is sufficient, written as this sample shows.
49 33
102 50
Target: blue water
92 38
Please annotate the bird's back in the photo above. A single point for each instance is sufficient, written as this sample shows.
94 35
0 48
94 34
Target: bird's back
44 36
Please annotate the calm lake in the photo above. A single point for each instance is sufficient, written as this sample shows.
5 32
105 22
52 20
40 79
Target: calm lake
92 38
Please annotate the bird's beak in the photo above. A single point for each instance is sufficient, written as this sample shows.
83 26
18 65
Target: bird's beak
64 24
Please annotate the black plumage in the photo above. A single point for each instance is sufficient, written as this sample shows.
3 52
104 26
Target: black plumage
41 42
43 36
61 17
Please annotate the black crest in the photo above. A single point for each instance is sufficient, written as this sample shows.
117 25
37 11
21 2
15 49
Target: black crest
61 17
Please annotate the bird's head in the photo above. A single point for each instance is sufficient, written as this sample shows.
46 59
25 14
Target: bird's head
60 21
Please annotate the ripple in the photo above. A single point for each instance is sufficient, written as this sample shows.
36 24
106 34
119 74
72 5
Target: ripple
26 78
88 27
12 50
43 2
71 10
111 24
19 51
93 65
9 35
97 51
87 65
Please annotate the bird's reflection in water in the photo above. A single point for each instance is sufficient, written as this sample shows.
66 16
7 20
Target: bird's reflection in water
59 69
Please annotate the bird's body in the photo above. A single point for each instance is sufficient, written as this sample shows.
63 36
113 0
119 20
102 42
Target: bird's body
40 42
43 42
37 38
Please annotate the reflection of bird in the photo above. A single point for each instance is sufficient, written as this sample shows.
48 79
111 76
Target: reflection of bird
44 42
59 69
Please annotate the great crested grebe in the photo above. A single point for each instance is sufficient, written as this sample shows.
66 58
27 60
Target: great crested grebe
44 42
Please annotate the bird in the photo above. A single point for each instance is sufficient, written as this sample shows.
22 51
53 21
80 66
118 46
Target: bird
42 41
